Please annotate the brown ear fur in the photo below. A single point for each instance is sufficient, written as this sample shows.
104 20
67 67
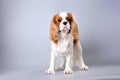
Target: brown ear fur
54 30
74 30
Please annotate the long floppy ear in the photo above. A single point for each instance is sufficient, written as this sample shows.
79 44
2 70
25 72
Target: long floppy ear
74 29
54 30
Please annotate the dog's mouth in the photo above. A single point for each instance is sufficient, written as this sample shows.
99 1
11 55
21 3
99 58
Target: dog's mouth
65 29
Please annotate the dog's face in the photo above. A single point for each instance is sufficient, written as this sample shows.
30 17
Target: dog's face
63 21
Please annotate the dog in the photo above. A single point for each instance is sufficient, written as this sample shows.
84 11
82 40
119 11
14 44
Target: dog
65 43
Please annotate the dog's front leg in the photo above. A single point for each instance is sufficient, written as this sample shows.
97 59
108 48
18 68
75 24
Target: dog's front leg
52 64
68 65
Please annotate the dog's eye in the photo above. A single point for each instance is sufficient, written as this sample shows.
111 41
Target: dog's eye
59 20
68 19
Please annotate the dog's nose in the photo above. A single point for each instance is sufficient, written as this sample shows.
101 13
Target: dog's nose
65 23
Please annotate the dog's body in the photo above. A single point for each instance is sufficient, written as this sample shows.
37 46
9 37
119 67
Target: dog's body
65 43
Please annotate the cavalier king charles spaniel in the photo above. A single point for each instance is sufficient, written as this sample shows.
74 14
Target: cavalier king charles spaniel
65 43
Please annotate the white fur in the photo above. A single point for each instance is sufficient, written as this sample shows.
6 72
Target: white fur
67 51
62 26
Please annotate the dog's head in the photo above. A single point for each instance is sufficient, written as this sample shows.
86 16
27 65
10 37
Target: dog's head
63 23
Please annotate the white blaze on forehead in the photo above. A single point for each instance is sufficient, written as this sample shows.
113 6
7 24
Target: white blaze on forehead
63 14
64 27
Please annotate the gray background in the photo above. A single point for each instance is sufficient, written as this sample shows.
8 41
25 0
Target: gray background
24 26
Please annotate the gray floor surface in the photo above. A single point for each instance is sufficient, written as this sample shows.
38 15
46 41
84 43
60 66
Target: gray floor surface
94 73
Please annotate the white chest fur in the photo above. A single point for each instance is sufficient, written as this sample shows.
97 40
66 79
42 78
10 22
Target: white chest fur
64 45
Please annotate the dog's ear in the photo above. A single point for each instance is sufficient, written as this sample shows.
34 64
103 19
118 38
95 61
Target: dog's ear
54 30
74 29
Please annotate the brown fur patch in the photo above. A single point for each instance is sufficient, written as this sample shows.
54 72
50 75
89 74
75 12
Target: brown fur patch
74 29
54 29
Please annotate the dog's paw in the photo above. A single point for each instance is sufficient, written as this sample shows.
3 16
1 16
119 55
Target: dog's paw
59 68
49 71
68 71
84 68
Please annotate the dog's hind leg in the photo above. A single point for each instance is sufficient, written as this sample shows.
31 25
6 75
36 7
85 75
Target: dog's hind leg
78 59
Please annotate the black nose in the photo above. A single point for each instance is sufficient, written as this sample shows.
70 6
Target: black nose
64 22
